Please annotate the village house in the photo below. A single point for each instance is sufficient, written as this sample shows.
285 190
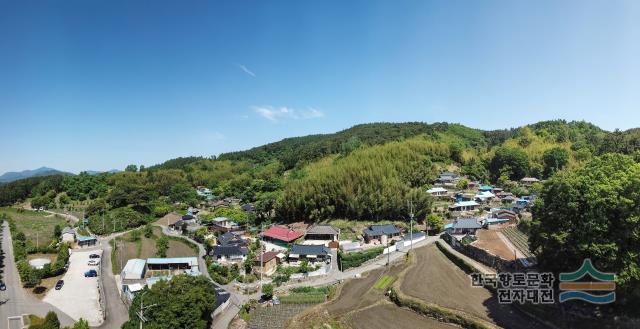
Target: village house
323 234
505 214
269 261
528 181
228 254
312 253
248 207
438 191
448 177
68 234
462 226
484 197
485 188
464 206
381 233
280 236
231 239
223 224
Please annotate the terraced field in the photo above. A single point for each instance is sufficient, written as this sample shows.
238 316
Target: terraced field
518 239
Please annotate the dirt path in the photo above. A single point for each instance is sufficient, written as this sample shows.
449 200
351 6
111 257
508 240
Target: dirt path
435 279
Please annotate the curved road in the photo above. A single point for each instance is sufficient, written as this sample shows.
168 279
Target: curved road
19 301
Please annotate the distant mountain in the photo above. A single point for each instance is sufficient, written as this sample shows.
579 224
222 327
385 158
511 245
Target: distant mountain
42 171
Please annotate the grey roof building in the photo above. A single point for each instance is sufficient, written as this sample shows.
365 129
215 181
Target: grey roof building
322 232
308 251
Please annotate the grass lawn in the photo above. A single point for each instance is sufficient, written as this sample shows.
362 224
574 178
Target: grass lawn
384 282
35 225
126 248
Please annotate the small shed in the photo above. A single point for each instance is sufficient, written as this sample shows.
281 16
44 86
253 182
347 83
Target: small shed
86 241
68 234
134 269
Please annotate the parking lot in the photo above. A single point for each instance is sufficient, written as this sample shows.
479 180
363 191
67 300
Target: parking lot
79 297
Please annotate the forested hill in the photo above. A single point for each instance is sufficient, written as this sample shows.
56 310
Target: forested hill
293 151
364 172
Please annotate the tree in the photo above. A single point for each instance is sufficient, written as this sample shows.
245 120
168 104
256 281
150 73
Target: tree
57 231
435 223
148 231
514 158
81 324
592 213
50 321
267 291
131 168
554 159
162 244
191 302
463 183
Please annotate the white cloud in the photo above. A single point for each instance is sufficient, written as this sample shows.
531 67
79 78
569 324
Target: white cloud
246 70
282 113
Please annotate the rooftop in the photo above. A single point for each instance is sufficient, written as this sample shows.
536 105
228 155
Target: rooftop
323 230
317 250
377 230
282 234
267 256
192 261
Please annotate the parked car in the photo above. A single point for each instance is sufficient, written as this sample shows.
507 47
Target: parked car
94 256
90 273
3 286
59 284
93 262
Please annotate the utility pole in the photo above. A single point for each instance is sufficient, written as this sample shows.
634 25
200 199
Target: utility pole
411 222
261 256
142 308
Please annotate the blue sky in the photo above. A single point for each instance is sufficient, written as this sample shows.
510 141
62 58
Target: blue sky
101 84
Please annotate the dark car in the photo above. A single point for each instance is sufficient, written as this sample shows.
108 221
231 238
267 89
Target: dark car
59 284
3 286
90 273
94 256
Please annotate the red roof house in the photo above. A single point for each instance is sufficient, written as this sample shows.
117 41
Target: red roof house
282 234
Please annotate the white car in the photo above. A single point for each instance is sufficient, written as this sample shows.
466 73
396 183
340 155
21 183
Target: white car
93 262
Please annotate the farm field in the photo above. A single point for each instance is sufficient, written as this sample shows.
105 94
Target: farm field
275 317
490 241
391 316
518 239
38 227
353 294
435 279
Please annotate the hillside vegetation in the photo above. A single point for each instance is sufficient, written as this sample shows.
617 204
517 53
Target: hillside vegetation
368 171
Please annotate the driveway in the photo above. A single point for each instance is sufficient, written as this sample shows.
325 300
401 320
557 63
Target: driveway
79 296
18 300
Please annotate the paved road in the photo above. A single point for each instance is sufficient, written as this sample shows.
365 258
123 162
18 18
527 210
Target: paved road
19 301
116 312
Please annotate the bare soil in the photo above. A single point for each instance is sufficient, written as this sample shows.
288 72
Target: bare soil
435 279
352 295
390 316
491 242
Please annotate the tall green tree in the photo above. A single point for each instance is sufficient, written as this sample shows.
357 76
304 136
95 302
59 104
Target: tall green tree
554 159
592 212
183 302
